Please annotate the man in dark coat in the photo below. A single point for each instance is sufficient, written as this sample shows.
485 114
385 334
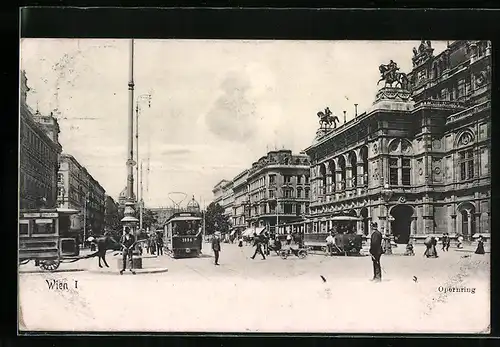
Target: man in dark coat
127 241
258 246
216 247
159 244
445 241
376 252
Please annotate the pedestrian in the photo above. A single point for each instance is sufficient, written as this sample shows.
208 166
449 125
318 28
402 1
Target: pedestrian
152 242
409 248
480 245
216 247
448 241
258 247
444 242
460 239
240 241
288 239
330 240
265 242
159 244
430 244
127 242
376 252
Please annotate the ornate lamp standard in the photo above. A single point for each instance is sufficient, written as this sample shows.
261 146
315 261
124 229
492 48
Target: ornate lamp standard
129 220
386 195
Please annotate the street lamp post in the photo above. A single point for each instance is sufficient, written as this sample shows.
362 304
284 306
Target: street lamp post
129 220
386 195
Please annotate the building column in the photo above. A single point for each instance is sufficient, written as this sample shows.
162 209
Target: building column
389 223
338 179
478 222
469 223
361 176
413 226
329 183
453 223
348 175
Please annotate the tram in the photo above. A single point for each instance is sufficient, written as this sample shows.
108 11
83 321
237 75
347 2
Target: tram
46 238
183 235
347 240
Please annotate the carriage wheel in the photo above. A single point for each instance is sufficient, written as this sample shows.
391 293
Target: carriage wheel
50 265
283 254
302 254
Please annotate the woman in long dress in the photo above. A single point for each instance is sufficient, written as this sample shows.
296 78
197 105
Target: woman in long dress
480 246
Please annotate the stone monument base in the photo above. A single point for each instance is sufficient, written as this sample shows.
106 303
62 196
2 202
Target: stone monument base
136 263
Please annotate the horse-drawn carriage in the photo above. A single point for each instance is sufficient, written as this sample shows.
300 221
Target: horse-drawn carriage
46 238
346 239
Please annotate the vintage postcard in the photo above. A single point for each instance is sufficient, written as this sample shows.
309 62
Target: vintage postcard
255 186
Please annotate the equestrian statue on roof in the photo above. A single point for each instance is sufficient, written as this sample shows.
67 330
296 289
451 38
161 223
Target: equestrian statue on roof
390 74
327 118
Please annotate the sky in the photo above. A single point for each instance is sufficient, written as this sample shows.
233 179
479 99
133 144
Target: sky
216 105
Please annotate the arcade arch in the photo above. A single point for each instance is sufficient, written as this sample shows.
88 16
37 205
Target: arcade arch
467 222
401 223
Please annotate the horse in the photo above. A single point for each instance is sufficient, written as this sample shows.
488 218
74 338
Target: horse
104 243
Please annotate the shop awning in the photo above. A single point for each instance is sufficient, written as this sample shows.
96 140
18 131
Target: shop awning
251 231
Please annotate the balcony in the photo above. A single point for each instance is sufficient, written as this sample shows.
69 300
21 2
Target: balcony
468 112
441 104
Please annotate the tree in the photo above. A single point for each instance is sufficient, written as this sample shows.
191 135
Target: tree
149 219
215 219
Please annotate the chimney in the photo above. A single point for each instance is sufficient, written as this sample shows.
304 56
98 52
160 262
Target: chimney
345 117
355 110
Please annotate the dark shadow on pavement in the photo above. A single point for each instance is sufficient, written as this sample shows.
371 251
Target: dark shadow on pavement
48 272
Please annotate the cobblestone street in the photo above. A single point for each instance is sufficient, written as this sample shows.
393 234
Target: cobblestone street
264 295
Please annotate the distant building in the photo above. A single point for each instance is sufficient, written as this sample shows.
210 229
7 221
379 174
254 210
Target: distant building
112 217
278 189
193 206
39 151
241 206
219 191
79 190
419 160
122 198
228 200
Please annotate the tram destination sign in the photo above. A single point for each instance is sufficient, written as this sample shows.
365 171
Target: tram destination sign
31 215
49 215
42 215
